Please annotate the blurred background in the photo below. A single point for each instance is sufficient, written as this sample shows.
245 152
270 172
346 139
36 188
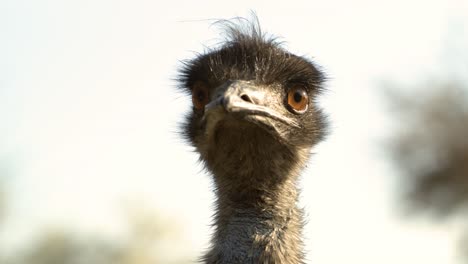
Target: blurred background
93 171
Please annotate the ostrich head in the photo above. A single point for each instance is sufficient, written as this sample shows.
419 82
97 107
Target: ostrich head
254 120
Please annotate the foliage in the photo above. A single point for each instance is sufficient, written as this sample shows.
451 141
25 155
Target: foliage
431 150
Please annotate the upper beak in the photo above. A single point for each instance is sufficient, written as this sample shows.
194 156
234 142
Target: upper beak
246 99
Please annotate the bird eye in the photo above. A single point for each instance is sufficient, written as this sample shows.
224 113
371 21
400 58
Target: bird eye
200 95
298 100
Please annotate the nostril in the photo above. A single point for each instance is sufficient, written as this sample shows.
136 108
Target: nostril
246 98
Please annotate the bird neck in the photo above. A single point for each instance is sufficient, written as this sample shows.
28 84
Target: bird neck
257 220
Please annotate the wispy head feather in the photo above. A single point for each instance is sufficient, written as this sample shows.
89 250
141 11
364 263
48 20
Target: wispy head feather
247 53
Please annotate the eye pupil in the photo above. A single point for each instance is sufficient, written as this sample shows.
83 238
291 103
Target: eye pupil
297 97
201 96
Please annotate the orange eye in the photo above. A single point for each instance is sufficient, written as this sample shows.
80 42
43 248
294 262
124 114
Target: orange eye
200 95
298 100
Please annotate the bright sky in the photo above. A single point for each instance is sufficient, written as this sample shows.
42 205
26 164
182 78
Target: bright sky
89 116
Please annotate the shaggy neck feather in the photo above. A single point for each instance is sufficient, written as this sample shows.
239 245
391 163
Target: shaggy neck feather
257 222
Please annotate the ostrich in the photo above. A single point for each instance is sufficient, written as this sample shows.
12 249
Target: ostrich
253 122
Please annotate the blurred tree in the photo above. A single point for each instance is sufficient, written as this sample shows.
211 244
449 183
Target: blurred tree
463 248
59 247
150 241
431 149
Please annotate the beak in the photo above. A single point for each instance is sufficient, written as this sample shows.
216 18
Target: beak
247 100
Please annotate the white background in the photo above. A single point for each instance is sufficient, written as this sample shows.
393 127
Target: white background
89 116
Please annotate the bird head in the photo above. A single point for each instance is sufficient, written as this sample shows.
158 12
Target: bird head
250 98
